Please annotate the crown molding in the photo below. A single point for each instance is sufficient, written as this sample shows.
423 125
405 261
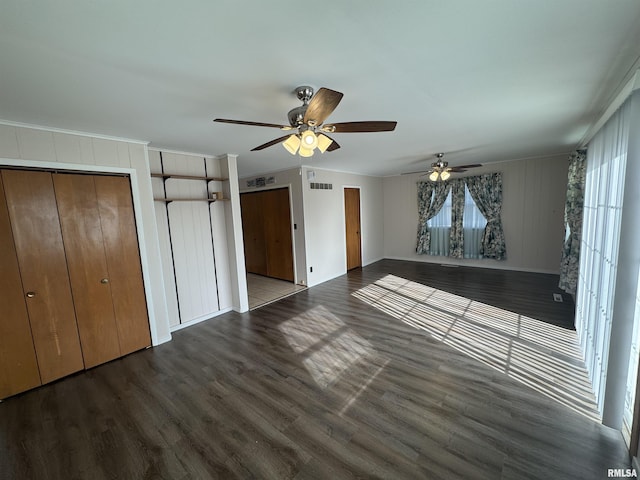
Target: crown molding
71 132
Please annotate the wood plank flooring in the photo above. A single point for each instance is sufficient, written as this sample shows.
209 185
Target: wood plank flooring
364 376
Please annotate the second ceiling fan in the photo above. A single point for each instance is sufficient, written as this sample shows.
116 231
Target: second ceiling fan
440 170
306 123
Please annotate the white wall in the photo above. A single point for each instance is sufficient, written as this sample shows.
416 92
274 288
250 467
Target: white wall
534 193
42 148
325 222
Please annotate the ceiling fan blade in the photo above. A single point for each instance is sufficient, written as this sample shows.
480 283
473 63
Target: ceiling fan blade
254 124
321 105
358 127
413 173
272 142
462 168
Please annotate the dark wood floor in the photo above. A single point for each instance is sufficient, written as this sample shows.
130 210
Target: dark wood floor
398 371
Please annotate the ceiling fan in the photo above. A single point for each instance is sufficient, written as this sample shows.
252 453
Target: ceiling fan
307 123
441 169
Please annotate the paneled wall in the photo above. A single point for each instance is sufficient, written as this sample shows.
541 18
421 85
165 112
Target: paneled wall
42 148
192 237
534 193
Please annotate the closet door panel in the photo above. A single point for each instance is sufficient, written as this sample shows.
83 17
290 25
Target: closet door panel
253 232
90 281
276 215
123 260
19 367
43 266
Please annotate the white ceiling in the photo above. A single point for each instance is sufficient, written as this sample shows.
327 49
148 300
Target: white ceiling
483 81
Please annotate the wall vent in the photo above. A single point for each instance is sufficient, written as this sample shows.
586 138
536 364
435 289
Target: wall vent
321 186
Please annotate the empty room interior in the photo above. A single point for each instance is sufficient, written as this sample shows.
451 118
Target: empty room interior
347 240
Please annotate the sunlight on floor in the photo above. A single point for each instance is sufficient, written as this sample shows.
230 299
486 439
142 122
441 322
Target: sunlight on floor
329 349
544 357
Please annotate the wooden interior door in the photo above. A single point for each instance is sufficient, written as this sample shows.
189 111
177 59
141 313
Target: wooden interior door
277 227
43 266
88 272
123 262
19 370
352 227
255 254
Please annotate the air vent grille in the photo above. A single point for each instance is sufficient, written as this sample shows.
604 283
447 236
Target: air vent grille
321 186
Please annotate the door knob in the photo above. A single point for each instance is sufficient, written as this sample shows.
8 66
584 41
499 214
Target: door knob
104 280
31 294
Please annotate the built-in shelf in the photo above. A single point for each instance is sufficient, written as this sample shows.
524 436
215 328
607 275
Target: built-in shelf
188 177
166 176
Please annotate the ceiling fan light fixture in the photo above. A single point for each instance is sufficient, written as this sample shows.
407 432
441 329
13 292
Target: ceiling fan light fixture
309 140
445 175
305 152
434 176
292 144
323 143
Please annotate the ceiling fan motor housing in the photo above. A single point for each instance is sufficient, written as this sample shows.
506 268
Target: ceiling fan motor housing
296 115
304 93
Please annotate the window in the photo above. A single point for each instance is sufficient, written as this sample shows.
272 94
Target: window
473 224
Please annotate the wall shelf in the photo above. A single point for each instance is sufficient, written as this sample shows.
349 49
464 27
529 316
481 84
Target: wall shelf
165 176
187 177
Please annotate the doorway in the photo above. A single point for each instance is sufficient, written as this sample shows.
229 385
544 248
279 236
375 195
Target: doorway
352 227
268 245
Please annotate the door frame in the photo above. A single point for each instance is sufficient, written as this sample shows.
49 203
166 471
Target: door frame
137 211
344 223
289 188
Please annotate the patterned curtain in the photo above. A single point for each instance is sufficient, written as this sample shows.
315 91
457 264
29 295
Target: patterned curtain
431 197
570 262
456 234
486 191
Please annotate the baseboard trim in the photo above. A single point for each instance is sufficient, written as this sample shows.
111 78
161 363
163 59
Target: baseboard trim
439 261
199 319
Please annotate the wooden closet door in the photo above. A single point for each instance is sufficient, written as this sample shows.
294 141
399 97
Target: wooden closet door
123 260
19 370
90 282
276 215
255 252
43 266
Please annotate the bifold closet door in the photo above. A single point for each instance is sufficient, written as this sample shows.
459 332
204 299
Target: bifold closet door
255 252
123 261
276 214
43 267
98 228
83 241
266 225
19 370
